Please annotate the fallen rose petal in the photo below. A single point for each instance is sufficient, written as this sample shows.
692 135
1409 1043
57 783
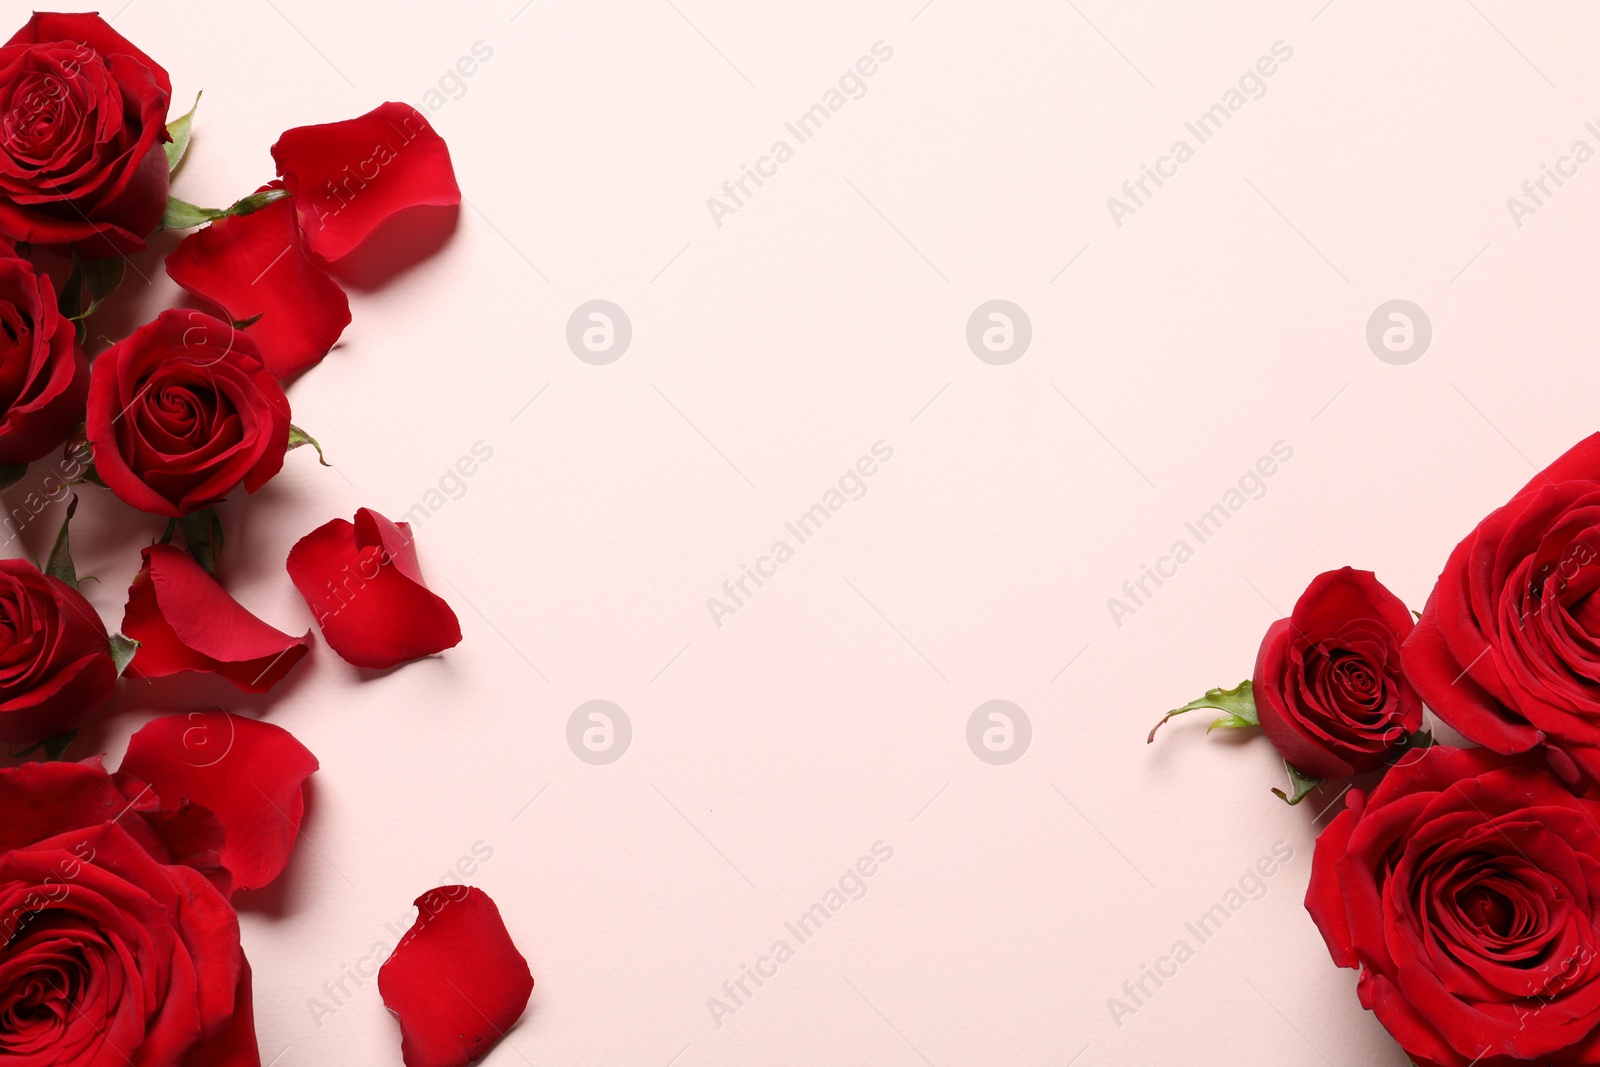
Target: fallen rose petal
455 981
362 582
184 621
257 264
247 773
348 177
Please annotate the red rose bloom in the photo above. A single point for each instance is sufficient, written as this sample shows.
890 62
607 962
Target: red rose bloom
348 177
110 953
55 658
185 621
1508 647
1329 690
182 411
44 375
82 119
363 584
1466 889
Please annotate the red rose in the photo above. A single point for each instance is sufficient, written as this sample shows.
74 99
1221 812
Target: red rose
185 621
82 119
364 586
348 177
456 981
1328 686
257 264
55 658
44 375
182 411
109 952
1508 647
1466 889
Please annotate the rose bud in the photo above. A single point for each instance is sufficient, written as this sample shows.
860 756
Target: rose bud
82 120
347 177
184 621
1505 651
1329 691
364 586
257 265
111 952
456 982
44 375
1464 891
181 412
55 656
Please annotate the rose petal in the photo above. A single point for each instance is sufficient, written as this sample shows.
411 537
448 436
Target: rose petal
248 773
257 264
363 585
455 981
348 177
184 621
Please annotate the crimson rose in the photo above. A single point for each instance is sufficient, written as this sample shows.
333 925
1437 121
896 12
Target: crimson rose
1508 647
44 375
182 411
1328 686
82 119
55 657
1466 889
111 952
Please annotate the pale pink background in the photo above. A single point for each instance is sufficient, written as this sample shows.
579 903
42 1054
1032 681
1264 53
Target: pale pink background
769 753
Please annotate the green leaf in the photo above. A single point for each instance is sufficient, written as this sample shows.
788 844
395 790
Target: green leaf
298 437
178 130
245 324
10 476
1300 783
1238 706
202 535
59 565
182 215
122 651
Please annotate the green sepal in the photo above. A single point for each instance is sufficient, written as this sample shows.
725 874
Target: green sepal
202 536
298 437
55 748
182 215
1238 706
10 476
59 565
1301 784
122 652
245 324
178 130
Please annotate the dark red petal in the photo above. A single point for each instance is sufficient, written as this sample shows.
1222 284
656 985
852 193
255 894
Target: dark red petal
235 1046
455 981
184 621
42 800
363 585
93 31
256 264
247 773
348 177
